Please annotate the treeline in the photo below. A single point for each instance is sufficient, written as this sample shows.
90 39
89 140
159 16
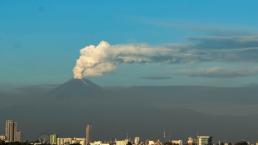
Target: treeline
25 143
17 143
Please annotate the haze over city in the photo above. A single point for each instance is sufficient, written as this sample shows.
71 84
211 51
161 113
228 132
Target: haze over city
126 69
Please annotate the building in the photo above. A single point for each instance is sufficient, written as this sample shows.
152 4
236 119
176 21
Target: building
98 143
53 139
18 136
177 142
151 142
158 142
204 140
2 137
122 142
88 134
10 129
191 141
137 140
11 132
68 141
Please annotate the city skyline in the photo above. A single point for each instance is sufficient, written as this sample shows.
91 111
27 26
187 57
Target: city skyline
143 68
55 139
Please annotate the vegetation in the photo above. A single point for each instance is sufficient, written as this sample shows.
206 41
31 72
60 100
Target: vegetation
241 143
17 143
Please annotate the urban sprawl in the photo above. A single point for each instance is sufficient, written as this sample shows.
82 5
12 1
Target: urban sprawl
13 136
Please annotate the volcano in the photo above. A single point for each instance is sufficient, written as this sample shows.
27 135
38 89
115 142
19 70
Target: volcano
76 88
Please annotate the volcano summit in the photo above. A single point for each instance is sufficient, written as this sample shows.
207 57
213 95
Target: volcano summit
76 88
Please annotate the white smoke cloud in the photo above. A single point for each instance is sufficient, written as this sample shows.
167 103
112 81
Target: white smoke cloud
103 58
96 60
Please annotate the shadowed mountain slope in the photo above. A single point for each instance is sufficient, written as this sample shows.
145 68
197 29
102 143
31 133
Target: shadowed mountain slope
76 88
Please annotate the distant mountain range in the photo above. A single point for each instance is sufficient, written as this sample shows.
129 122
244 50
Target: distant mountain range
84 88
146 111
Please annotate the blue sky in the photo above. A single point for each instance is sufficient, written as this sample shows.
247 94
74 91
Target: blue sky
40 39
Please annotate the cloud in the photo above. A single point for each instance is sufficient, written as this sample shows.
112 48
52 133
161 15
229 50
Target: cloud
96 60
225 42
156 77
220 72
226 48
103 58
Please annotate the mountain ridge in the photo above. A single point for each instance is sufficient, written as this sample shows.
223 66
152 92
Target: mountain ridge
77 88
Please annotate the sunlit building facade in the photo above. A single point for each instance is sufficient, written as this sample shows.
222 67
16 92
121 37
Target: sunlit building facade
68 141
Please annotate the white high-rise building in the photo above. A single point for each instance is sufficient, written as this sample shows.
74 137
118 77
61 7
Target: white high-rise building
11 132
10 129
53 139
88 136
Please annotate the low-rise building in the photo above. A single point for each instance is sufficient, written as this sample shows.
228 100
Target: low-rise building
151 142
98 143
2 137
18 136
137 140
68 141
122 142
204 140
177 142
190 141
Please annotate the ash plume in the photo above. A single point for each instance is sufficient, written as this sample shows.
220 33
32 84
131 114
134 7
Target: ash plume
96 60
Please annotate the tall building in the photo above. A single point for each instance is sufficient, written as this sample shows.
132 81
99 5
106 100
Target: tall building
53 139
204 140
10 129
11 132
88 134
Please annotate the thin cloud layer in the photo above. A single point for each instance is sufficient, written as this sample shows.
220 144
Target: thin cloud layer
225 42
226 48
220 72
156 77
